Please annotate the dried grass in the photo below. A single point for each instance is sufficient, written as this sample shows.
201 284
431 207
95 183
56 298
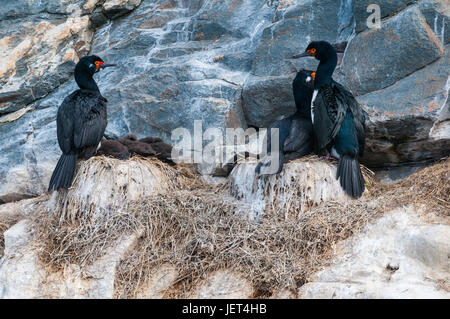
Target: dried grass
79 224
428 188
199 234
3 228
197 229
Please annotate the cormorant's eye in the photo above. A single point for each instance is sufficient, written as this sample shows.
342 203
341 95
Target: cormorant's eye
311 51
98 64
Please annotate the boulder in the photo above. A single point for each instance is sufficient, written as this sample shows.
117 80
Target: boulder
294 27
39 54
267 92
29 153
404 44
437 16
387 8
409 121
434 11
267 99
397 256
23 276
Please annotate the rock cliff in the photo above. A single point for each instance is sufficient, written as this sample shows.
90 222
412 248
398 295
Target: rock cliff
222 62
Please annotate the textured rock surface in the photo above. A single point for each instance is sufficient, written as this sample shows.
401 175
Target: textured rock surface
222 62
99 190
387 8
410 119
403 254
38 54
398 256
223 285
407 43
22 276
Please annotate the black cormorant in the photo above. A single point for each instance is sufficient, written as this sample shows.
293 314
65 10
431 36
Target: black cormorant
295 132
80 122
338 119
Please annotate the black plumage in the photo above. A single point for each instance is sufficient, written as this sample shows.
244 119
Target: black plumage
338 119
80 122
296 131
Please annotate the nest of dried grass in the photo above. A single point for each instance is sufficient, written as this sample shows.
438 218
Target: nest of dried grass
79 224
303 184
3 228
199 233
198 230
428 187
104 184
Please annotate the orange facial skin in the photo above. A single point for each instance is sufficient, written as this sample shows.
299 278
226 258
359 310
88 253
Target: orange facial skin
97 64
313 75
312 51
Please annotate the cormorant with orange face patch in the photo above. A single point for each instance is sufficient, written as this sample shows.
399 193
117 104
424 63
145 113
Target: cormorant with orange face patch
295 133
338 119
81 122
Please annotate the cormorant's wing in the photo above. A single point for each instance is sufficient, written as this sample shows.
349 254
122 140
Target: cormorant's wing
64 123
300 136
90 119
328 116
345 97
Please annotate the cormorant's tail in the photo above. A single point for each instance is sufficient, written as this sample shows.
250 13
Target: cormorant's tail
63 173
351 178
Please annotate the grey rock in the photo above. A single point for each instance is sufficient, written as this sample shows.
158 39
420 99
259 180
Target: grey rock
396 256
267 99
223 62
41 42
267 93
292 31
20 9
436 12
407 43
29 153
387 8
403 115
38 55
346 20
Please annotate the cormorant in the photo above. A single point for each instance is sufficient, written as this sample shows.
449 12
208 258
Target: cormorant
123 148
338 119
81 122
296 135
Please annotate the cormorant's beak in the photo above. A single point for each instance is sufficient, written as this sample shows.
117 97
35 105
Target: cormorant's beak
102 66
302 55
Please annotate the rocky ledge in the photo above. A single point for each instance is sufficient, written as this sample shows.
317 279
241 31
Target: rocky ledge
222 62
140 228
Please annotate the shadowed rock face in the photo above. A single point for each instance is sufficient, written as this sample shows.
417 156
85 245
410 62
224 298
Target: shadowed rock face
222 62
387 7
404 44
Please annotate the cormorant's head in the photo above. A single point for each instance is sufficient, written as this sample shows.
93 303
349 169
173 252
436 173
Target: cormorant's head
321 50
91 64
86 68
303 87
